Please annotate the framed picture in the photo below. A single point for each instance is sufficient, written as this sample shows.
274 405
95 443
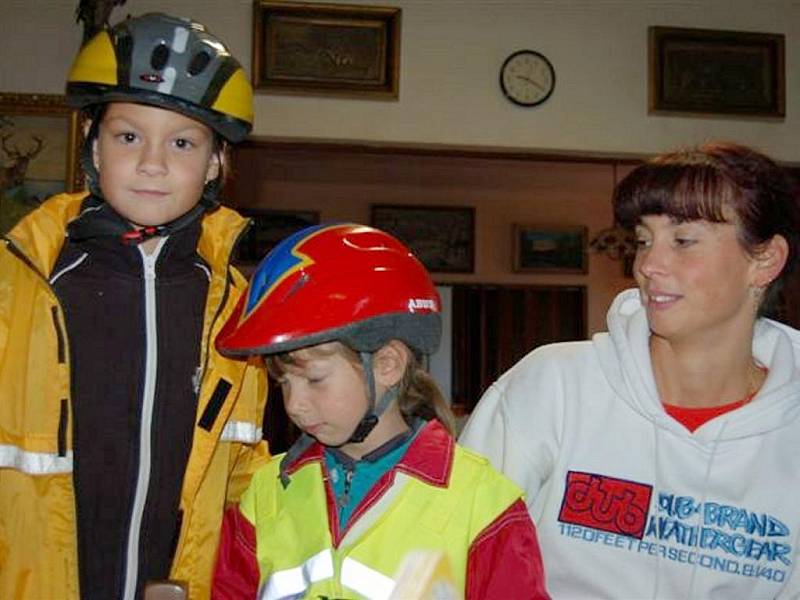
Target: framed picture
550 249
39 141
707 71
326 49
270 227
441 237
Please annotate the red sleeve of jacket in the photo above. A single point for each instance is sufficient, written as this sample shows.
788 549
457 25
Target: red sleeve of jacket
236 571
504 560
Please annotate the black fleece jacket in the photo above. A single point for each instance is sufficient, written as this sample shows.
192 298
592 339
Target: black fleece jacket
101 286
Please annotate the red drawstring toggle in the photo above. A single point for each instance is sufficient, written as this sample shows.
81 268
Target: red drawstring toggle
140 235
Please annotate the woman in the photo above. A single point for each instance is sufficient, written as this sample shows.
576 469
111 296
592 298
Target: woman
662 459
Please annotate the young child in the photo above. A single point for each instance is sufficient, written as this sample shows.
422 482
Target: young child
344 314
123 433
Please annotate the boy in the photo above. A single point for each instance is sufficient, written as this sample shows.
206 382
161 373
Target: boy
123 433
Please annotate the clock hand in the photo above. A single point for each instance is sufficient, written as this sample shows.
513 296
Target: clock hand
531 81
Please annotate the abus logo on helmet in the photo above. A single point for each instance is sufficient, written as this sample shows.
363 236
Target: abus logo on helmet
415 304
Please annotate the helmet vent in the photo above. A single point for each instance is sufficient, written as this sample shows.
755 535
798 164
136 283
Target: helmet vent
304 279
159 57
199 62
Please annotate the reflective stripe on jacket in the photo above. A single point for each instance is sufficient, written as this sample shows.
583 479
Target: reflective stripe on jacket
439 497
38 551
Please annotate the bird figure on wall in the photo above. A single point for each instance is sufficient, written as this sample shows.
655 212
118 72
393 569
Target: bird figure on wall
94 15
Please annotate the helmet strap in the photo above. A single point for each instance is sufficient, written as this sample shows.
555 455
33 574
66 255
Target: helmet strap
103 221
362 430
374 410
118 227
87 155
300 445
211 190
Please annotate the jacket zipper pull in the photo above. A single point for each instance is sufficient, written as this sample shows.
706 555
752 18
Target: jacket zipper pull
149 263
344 500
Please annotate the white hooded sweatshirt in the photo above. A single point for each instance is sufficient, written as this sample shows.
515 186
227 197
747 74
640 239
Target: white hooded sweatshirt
627 502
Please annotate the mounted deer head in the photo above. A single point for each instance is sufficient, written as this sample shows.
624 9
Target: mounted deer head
13 174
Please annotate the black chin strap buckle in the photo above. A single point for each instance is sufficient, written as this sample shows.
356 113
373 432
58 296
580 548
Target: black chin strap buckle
134 238
365 426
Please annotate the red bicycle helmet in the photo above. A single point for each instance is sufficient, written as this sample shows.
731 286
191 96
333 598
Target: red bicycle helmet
344 282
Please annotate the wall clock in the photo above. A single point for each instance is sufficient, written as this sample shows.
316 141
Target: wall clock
527 78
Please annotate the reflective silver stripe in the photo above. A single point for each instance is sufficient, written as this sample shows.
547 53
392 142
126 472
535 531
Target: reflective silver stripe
34 463
241 431
204 269
69 267
367 582
376 511
289 583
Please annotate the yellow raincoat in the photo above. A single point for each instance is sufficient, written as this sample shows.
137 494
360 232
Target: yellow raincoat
38 548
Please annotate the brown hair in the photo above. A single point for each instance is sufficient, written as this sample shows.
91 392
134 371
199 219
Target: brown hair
418 395
700 183
277 363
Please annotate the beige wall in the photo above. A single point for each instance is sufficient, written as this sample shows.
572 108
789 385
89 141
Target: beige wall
451 53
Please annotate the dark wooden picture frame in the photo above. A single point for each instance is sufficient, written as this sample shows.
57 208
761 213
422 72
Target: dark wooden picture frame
441 237
39 146
326 49
705 71
539 249
270 227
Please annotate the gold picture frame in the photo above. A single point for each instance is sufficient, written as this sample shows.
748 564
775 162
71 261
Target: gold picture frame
39 146
706 71
326 49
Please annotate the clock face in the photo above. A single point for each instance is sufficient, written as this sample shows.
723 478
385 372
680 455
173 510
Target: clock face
527 78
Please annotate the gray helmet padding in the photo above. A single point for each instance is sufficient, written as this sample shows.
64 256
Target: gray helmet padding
422 333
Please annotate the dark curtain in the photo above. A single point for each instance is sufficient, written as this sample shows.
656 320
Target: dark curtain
787 306
495 326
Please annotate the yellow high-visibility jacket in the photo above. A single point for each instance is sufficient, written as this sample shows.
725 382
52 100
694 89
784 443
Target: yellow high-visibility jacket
286 542
38 546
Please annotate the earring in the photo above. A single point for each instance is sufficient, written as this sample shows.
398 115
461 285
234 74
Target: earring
757 293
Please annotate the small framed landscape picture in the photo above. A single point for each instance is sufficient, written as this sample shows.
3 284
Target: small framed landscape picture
441 237
270 227
540 249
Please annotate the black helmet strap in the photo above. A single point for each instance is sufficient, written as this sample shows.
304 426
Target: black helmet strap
362 430
87 152
105 222
82 229
374 410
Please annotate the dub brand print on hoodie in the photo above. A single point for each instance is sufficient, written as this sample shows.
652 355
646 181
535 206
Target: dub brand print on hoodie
628 502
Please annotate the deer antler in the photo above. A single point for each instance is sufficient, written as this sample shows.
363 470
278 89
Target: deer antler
15 153
37 148
11 152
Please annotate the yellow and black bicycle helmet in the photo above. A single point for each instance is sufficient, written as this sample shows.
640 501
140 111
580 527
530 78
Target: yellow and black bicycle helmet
168 62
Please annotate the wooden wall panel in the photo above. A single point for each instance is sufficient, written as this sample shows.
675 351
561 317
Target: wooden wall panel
343 181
